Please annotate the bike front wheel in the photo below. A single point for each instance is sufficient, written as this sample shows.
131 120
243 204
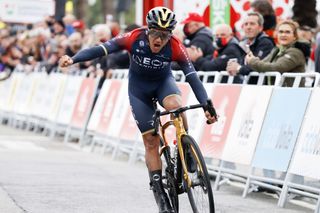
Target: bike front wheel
200 193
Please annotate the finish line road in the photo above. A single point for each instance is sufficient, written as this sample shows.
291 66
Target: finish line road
42 176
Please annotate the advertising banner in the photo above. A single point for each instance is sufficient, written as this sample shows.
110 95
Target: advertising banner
59 80
13 91
196 117
225 98
4 92
129 130
22 11
246 124
118 113
306 159
71 92
40 91
24 94
84 101
99 105
109 104
280 128
219 12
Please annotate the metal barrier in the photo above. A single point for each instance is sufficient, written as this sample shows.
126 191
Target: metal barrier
262 77
298 77
120 74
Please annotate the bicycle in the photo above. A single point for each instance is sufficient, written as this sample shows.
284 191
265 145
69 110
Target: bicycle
177 177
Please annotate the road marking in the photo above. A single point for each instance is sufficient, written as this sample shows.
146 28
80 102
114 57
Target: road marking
19 146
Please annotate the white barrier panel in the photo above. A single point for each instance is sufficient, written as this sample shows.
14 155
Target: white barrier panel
37 105
56 88
82 108
306 159
69 99
109 106
246 124
99 105
4 92
48 95
225 98
118 114
24 94
10 90
280 128
196 117
129 129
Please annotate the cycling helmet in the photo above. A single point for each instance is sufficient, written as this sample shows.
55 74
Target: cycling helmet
161 18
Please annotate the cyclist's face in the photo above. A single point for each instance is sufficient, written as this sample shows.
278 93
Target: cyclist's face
157 39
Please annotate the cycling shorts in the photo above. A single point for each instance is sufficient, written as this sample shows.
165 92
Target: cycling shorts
141 95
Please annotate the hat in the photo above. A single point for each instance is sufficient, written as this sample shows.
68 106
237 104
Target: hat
78 24
193 17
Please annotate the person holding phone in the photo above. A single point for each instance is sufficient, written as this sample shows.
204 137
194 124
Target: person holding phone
227 47
256 42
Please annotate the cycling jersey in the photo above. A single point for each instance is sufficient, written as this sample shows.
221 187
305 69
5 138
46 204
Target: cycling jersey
150 73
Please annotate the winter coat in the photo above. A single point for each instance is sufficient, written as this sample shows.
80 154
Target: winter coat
260 47
285 59
202 39
231 50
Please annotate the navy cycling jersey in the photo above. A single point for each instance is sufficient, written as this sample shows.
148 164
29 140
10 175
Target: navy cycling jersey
145 64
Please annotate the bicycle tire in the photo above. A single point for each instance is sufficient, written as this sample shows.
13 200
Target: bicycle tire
200 193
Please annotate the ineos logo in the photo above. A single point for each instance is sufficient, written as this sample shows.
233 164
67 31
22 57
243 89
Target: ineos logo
148 62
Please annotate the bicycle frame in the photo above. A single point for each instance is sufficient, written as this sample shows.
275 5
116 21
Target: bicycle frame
177 122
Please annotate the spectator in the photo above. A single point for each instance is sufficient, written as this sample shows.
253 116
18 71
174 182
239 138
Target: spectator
197 34
75 44
265 8
99 66
59 28
255 41
227 48
68 19
79 26
286 57
306 33
120 59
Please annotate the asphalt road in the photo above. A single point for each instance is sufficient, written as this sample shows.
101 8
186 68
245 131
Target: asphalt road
42 176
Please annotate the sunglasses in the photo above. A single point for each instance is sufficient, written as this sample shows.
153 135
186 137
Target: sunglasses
163 35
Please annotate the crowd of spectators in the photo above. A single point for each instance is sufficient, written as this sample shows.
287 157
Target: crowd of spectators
265 45
39 46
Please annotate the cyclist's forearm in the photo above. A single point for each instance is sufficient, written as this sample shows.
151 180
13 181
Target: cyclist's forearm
88 54
197 88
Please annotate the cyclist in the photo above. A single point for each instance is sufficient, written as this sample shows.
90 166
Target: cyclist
151 51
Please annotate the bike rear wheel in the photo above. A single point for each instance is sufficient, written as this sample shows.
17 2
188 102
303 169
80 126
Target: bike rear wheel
200 193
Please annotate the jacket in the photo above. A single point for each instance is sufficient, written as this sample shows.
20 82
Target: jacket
288 59
203 39
231 50
260 47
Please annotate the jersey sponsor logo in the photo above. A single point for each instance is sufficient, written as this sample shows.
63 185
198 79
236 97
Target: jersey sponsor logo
141 43
149 62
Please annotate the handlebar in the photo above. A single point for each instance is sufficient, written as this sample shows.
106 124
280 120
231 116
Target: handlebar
207 107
